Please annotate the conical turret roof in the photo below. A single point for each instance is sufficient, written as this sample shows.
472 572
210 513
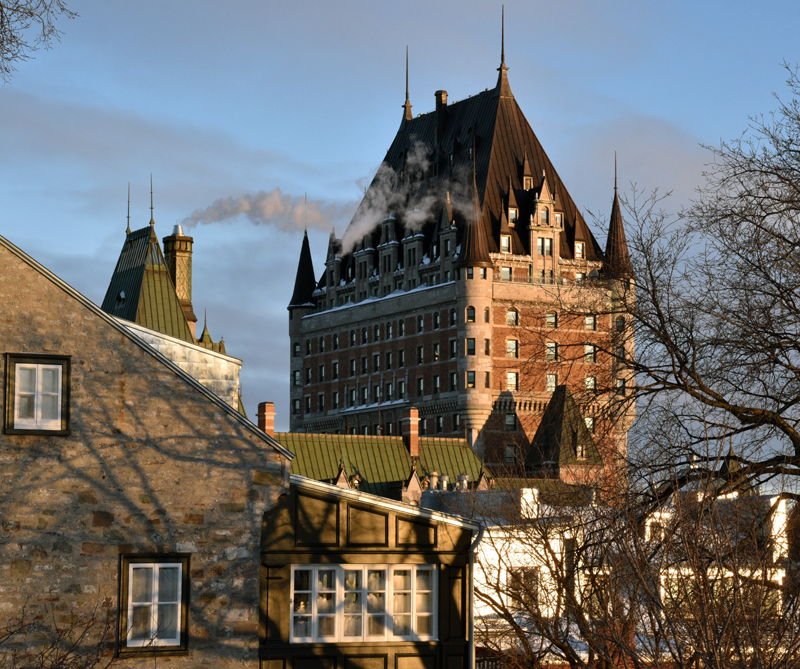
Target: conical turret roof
304 283
475 246
618 260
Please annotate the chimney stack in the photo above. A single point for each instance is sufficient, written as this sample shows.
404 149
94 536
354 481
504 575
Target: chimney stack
178 254
441 114
434 481
411 431
266 418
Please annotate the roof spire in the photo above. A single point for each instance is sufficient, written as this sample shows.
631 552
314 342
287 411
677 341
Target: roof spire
152 222
502 79
407 116
615 174
128 230
618 259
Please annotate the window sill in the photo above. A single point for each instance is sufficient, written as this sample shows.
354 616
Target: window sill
171 651
38 432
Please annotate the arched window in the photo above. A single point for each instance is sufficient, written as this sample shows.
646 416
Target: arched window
470 314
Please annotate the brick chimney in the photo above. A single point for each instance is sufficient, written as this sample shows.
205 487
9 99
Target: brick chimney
441 114
178 254
411 431
266 418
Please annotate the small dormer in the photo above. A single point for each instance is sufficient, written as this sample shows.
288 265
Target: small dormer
527 175
512 209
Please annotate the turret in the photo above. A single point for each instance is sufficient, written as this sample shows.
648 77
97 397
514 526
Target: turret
178 254
304 283
618 259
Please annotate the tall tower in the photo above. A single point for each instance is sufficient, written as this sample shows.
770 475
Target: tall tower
178 254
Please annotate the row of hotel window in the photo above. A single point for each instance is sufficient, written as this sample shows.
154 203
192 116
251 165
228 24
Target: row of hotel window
512 351
512 318
392 391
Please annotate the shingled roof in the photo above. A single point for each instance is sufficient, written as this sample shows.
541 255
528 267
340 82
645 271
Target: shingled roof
141 289
381 461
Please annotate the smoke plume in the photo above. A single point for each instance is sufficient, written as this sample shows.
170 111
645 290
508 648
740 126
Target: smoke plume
271 208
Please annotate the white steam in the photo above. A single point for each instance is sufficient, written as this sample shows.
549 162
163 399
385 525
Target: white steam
270 208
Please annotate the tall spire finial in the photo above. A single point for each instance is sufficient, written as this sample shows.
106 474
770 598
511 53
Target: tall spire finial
503 36
128 230
615 171
407 116
502 80
152 222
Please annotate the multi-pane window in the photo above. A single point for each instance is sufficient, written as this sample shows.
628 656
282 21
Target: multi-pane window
470 379
589 423
590 353
297 378
580 250
512 379
295 407
389 331
620 323
364 336
512 317
544 246
452 317
510 455
352 337
590 322
40 399
551 350
470 346
523 589
154 602
376 333
470 314
551 381
296 350
512 348
591 384
505 274
560 220
322 344
544 215
505 243
470 272
513 215
621 353
551 320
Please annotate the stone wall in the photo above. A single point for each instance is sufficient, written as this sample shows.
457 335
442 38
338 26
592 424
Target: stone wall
153 464
217 372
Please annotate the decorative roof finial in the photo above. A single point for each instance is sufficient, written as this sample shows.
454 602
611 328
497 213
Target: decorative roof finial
407 106
502 80
615 171
152 222
503 36
128 231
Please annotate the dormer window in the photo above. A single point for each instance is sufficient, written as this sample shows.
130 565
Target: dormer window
580 250
559 220
505 243
513 214
527 183
545 216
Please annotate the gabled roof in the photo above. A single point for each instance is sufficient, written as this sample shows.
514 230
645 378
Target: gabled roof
141 289
381 462
190 380
560 434
304 283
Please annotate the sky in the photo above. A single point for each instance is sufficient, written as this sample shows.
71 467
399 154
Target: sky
224 101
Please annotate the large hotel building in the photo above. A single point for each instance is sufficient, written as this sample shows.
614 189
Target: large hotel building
469 286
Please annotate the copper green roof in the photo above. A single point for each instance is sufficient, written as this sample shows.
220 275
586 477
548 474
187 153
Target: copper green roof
381 462
141 289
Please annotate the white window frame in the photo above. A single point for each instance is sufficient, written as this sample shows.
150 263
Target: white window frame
37 422
551 381
512 380
155 602
580 250
386 611
505 243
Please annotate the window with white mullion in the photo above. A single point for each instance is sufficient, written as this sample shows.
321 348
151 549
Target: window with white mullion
413 602
38 396
154 604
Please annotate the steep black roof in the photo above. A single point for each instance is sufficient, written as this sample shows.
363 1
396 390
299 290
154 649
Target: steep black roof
618 260
304 283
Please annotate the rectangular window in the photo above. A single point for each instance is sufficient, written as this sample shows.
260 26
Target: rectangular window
298 378
322 344
436 351
308 374
550 383
591 384
470 346
486 347
505 243
335 342
487 380
590 322
352 337
335 370
512 348
388 360
453 381
389 331
401 328
388 393
439 424
296 350
401 390
589 423
505 274
376 333
352 367
551 350
335 399
376 394
436 320
484 273
453 348
551 320
510 423
376 362
364 368
544 246
560 220
321 373
620 353
401 358
420 323
512 317
364 395
590 353
580 250
352 397
470 379
523 589
308 404
620 386
363 336
436 385
420 386
420 354
295 407
308 347
510 456
512 380
469 272
37 394
321 402
154 602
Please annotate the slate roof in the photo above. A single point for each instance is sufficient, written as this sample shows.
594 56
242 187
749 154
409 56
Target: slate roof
141 289
560 433
304 283
491 126
381 462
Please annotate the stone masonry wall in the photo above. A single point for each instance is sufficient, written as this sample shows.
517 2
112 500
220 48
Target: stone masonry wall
151 465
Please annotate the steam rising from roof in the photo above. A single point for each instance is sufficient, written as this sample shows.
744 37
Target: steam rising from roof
271 208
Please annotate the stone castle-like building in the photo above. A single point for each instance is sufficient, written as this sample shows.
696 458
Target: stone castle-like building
469 285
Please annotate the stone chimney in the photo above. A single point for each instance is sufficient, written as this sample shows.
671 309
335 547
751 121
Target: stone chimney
266 418
434 481
178 254
411 431
441 113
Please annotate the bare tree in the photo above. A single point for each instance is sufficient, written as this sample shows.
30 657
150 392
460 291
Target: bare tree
25 27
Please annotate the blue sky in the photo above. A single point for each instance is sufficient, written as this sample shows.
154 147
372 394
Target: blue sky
220 100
